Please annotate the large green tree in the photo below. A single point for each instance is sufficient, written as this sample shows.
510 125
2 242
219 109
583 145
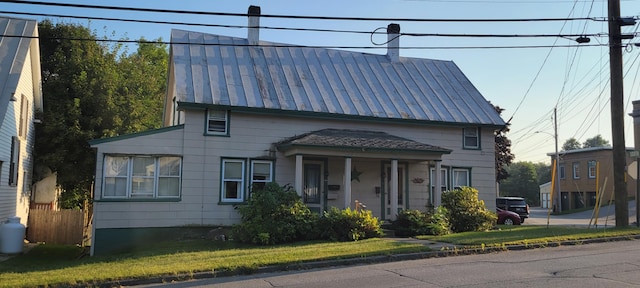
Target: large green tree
91 90
522 182
504 157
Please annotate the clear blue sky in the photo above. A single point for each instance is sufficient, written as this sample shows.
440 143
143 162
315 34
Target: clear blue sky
575 80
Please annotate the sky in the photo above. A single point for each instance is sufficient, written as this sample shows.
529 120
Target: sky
526 76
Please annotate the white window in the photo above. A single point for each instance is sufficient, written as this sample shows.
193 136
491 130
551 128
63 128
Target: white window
562 172
576 170
592 169
471 138
217 122
261 173
460 177
233 171
141 177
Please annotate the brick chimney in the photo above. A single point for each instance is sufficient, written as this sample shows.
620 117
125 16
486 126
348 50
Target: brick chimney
254 25
393 42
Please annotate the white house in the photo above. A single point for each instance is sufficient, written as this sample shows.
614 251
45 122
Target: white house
338 126
20 96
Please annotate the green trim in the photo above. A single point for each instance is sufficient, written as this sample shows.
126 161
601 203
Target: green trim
94 142
333 116
470 184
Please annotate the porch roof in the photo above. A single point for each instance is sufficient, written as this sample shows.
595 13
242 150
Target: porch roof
347 142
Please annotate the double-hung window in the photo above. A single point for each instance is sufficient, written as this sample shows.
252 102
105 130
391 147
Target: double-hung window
576 170
233 172
460 177
261 173
562 172
592 169
141 177
237 178
471 138
217 122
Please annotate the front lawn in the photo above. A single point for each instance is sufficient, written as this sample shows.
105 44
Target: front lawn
51 265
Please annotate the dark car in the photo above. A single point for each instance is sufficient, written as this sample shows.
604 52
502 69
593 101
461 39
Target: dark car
514 204
507 217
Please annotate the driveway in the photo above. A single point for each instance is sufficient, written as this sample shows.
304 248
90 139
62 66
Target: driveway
606 217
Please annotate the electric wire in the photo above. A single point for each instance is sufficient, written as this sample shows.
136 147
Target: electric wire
104 7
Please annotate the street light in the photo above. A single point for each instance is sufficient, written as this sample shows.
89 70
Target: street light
557 158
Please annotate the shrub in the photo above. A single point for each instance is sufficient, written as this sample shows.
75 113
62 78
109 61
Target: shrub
349 225
415 222
466 212
275 215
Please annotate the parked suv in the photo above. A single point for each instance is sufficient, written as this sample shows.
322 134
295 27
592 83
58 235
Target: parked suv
514 204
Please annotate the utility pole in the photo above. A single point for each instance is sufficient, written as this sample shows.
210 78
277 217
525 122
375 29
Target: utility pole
617 113
556 196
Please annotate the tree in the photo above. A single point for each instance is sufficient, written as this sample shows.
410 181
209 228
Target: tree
522 182
504 157
571 144
84 83
596 141
543 171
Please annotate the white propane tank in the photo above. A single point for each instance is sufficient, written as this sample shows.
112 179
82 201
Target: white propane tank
12 236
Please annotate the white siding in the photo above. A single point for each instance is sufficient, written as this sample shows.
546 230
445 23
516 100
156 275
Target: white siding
14 200
252 136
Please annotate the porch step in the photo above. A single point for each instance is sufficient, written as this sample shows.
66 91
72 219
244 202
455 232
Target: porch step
388 233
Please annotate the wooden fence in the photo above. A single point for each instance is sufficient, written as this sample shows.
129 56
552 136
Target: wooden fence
58 227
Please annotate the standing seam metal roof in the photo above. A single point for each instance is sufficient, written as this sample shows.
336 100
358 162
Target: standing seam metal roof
222 70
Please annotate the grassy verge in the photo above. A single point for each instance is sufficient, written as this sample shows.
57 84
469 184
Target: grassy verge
518 235
50 265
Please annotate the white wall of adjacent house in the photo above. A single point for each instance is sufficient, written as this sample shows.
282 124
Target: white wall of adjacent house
251 136
15 196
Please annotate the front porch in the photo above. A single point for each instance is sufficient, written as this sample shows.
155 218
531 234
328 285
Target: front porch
336 168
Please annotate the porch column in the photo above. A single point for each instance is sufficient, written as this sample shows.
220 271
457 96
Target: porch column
299 182
347 182
394 189
437 189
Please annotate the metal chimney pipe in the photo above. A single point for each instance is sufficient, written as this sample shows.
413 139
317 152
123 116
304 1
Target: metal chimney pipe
254 25
393 42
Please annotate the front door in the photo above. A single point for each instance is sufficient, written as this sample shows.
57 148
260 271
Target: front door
312 195
387 192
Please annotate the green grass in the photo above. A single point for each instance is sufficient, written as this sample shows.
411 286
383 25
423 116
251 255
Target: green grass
50 265
518 235
63 266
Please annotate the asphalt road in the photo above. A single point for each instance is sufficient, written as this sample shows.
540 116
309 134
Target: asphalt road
612 264
606 217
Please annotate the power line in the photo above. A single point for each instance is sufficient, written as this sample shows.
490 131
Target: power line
312 29
274 45
297 16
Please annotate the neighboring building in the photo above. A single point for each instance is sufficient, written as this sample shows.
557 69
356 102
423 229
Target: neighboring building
579 177
20 97
338 126
545 195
